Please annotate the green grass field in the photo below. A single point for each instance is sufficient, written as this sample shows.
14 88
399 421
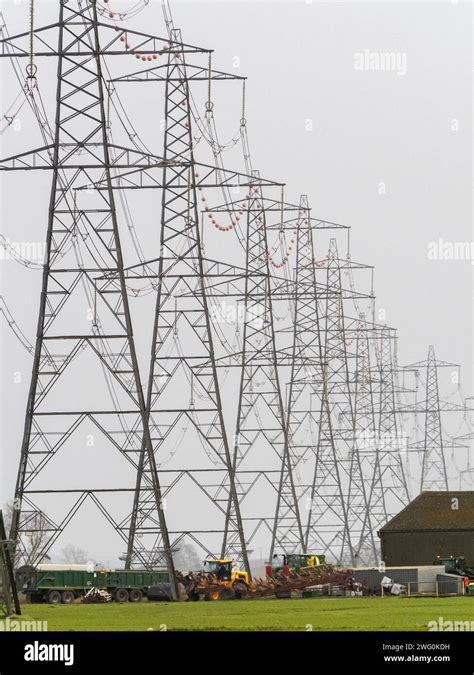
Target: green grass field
323 614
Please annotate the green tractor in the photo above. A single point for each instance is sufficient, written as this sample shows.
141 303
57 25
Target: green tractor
294 562
457 565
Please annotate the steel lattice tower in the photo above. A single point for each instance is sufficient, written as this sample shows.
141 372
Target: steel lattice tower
337 468
377 437
261 428
434 475
364 460
312 446
434 469
183 398
81 154
184 382
304 358
389 491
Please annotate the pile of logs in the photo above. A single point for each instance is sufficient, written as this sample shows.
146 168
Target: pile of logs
97 595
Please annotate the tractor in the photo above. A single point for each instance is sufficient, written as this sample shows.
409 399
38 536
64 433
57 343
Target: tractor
457 565
294 562
225 573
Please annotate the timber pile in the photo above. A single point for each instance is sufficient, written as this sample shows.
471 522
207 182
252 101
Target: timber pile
96 595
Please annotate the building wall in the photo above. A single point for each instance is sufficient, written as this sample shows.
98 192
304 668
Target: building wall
372 578
421 548
418 579
449 583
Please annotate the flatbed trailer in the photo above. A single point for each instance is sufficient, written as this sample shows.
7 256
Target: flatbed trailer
64 586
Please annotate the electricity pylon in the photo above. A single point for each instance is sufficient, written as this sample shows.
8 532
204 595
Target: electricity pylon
184 401
74 343
434 470
261 449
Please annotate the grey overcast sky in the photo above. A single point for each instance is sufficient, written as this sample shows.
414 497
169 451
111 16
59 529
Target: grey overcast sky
387 153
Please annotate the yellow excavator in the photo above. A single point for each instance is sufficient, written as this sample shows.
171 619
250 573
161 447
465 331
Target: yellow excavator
224 571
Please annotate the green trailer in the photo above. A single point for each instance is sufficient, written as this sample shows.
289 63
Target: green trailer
64 586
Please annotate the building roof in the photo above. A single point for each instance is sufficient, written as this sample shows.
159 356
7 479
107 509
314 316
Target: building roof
435 511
